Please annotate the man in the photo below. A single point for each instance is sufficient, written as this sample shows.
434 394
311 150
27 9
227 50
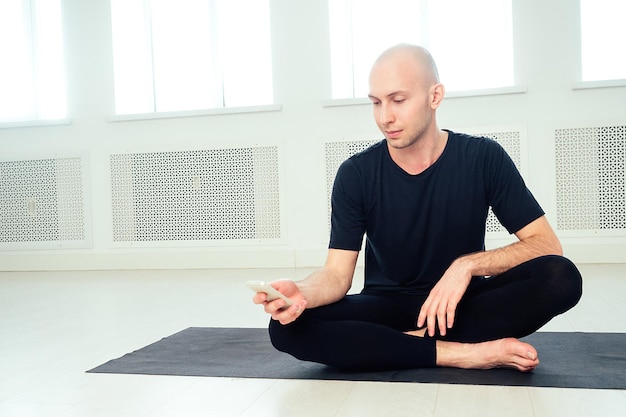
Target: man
433 296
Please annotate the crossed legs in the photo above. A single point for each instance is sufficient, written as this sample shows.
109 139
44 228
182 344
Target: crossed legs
374 331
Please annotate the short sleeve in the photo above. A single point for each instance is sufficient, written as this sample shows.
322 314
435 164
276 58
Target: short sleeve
347 209
509 197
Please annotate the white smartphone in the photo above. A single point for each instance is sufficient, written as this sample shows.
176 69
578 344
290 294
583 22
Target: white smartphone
272 293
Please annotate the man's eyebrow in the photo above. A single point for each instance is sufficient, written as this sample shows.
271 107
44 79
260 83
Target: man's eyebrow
395 93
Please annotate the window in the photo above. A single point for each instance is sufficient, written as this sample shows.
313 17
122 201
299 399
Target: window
471 41
602 39
191 54
32 85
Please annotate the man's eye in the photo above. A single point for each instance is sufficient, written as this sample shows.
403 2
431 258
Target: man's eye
398 100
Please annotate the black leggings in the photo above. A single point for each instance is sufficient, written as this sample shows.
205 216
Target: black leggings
365 332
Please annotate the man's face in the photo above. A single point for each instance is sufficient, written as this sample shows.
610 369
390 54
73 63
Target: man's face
400 100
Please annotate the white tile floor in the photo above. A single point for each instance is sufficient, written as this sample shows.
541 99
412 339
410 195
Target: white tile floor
56 325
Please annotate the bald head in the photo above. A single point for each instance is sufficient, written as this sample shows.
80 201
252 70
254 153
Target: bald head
412 57
405 93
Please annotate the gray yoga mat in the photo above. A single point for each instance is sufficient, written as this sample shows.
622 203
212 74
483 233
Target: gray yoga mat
568 360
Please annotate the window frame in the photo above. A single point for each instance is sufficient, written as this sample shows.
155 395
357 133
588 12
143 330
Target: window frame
219 104
514 87
582 83
31 10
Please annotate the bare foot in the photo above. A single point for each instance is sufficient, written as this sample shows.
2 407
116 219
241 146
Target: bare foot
502 353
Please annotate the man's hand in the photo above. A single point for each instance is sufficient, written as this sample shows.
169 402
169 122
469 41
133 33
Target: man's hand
535 239
277 308
439 309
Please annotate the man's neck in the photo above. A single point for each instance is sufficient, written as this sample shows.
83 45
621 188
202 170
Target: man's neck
418 157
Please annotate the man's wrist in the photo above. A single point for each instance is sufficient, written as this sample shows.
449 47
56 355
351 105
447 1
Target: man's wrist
468 265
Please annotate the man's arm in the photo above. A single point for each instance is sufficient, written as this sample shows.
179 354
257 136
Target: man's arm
535 239
331 283
324 286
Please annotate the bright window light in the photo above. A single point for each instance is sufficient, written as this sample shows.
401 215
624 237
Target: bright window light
245 52
603 33
191 54
480 58
32 81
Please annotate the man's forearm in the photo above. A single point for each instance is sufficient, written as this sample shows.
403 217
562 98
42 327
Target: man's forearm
322 287
497 261
333 281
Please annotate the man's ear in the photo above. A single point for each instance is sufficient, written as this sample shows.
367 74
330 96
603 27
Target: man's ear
437 92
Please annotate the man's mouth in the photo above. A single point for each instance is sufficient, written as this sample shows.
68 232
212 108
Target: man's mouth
393 134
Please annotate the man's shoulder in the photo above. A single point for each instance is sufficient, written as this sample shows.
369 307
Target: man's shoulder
469 143
367 156
470 139
371 151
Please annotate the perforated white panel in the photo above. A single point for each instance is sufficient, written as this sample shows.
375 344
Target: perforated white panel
337 152
211 195
41 202
591 178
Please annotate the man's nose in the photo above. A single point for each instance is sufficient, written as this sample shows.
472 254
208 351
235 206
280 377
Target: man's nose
386 115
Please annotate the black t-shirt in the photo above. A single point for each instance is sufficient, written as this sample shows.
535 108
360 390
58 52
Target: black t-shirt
416 225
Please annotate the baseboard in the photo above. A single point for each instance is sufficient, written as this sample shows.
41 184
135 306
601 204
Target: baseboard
580 253
214 259
597 253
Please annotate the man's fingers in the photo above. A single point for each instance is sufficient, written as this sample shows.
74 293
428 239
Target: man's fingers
437 316
275 306
441 319
421 318
288 315
451 315
432 322
428 316
446 317
427 311
259 298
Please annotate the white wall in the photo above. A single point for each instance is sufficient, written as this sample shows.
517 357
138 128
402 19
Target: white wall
547 63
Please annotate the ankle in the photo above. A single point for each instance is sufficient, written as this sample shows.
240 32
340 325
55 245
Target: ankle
454 354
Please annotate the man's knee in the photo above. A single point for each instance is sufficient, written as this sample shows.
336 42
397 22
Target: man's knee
290 338
295 340
565 279
278 336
